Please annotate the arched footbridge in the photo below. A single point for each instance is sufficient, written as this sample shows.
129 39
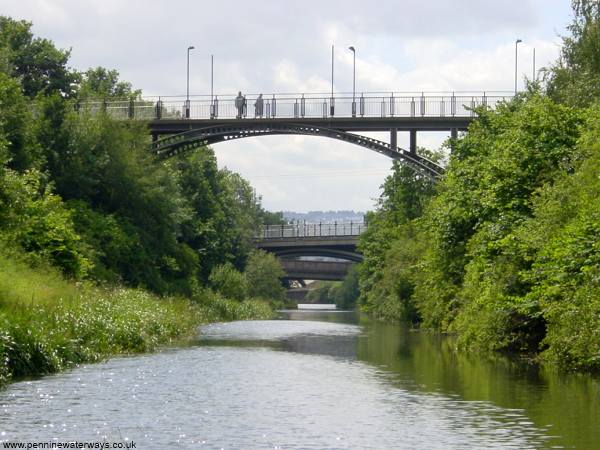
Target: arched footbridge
317 251
181 124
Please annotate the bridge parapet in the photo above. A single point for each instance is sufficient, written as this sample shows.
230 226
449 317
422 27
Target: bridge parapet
311 230
368 104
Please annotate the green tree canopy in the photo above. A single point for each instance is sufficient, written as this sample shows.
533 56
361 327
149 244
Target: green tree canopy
35 62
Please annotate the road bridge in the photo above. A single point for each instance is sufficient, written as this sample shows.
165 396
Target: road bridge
192 122
326 240
301 248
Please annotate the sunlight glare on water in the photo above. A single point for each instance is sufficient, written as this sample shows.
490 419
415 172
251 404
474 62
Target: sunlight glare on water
260 384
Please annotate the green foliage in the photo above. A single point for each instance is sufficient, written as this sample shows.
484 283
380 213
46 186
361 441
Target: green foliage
324 293
101 83
37 63
347 294
229 282
23 153
575 78
344 294
34 218
405 194
264 274
486 192
48 324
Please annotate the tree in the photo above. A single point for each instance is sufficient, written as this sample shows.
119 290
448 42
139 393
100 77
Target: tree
264 274
37 63
229 282
575 78
15 126
101 83
405 194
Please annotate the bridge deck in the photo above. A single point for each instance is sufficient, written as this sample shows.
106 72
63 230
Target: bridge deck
176 126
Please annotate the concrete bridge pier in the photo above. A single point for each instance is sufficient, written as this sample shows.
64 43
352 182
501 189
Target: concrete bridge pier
413 141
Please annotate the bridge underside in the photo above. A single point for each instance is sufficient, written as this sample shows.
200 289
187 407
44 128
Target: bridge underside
239 129
297 269
175 126
339 247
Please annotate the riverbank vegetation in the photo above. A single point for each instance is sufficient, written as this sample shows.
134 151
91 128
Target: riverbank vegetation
104 248
343 294
505 249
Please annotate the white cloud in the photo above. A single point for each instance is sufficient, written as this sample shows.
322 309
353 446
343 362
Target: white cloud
285 46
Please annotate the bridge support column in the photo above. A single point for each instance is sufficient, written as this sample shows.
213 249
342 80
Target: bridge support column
453 136
394 138
413 141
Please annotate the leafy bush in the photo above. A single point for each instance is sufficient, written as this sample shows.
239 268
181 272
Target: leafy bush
229 282
264 274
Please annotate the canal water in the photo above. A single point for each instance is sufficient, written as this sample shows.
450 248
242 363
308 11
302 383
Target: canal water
314 380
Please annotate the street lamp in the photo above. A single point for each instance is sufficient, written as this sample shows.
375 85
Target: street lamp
212 97
187 96
353 80
516 47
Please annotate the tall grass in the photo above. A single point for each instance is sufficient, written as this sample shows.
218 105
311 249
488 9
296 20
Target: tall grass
48 323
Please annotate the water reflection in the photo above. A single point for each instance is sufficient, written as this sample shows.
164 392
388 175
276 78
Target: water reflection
322 380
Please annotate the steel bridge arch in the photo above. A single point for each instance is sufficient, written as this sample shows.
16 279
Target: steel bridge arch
346 255
189 140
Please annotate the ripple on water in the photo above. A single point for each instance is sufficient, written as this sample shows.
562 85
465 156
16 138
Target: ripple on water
254 398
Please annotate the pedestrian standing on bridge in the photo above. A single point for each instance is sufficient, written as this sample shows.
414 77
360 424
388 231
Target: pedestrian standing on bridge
239 104
259 106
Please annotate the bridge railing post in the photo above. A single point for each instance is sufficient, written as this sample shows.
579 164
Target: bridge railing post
362 105
158 109
412 107
274 107
131 109
335 228
296 109
332 106
422 103
302 106
453 105
392 105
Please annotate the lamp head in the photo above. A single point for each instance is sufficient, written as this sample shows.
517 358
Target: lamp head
351 48
191 47
518 41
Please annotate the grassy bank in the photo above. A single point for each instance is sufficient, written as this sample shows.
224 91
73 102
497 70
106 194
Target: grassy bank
48 324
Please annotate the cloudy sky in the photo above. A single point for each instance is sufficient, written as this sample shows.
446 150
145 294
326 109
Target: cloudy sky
285 46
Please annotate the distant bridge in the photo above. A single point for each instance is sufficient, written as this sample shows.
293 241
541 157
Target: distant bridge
205 120
294 244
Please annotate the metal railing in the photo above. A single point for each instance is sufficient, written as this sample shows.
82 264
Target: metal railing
305 230
392 104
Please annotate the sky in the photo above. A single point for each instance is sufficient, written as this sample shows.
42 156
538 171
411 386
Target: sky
275 46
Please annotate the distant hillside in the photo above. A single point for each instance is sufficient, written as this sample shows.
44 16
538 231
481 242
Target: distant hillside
324 216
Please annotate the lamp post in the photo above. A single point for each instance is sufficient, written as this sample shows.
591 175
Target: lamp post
516 62
212 97
534 79
187 95
332 101
353 80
